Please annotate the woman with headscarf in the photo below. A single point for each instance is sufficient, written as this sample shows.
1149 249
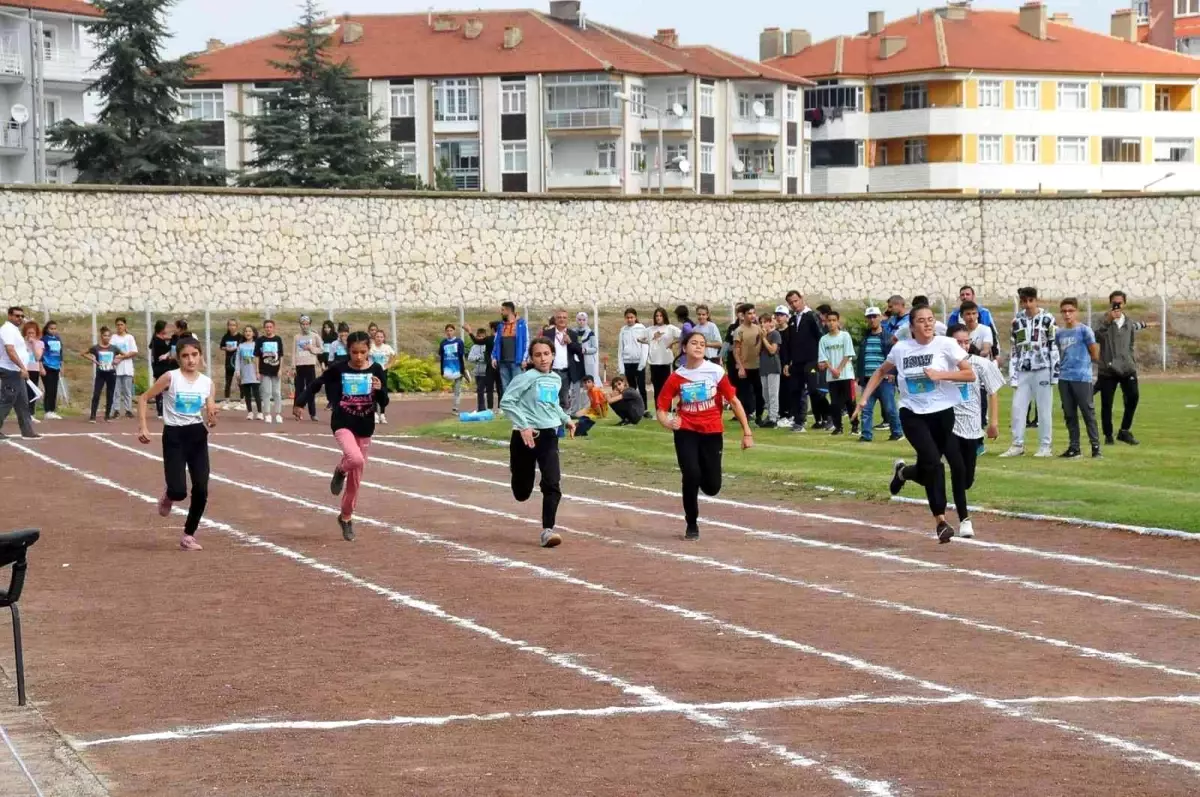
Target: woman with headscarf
591 347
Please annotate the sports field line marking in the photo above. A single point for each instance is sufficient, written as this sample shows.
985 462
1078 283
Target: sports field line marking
12 748
921 564
606 712
211 433
648 694
484 557
1150 531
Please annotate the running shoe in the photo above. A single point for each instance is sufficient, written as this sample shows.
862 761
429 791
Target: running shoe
1070 453
383 417
1014 451
128 414
550 539
337 482
279 419
692 533
267 418
1108 440
164 505
836 431
188 543
945 533
1126 436
894 437
1044 452
1096 453
799 427
897 477
52 416
92 419
250 416
347 529
980 450
35 420
965 529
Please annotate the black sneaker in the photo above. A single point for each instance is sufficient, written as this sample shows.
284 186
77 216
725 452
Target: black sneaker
866 440
692 533
336 483
883 425
836 431
769 425
1070 453
1108 440
897 477
128 414
818 425
893 438
945 533
1096 453
347 529
1126 436
854 427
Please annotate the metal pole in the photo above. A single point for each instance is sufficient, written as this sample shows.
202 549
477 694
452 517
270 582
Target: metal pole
46 315
945 317
208 339
462 317
39 99
1088 304
662 158
331 312
149 338
95 331
392 313
526 313
596 328
1163 328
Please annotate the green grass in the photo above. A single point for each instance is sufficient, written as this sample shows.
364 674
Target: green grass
1154 484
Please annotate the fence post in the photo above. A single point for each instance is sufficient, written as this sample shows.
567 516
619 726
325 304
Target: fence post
331 312
1163 328
208 339
945 317
95 332
462 316
395 331
1087 299
45 315
149 338
1016 307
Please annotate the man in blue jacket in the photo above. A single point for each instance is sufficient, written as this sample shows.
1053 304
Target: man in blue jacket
510 352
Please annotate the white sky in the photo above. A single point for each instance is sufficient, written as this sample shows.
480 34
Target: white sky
733 26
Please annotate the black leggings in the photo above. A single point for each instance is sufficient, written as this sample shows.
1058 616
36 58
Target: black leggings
544 455
185 449
962 454
1107 386
636 377
930 436
50 400
305 376
699 457
230 370
750 393
107 381
252 393
659 374
485 390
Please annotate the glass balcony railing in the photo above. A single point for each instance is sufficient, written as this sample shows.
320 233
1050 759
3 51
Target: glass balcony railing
583 118
12 136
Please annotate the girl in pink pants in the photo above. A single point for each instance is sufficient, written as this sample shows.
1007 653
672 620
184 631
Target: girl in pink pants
357 389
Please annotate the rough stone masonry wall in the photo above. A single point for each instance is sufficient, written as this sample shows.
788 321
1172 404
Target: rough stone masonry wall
72 249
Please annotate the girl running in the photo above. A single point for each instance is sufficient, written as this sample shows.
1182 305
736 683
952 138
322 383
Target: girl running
248 374
187 409
968 425
703 388
531 402
928 365
357 386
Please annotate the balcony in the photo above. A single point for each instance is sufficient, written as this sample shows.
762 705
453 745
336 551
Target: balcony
767 182
917 122
673 180
583 179
464 179
12 139
838 180
12 67
670 123
63 65
584 119
764 127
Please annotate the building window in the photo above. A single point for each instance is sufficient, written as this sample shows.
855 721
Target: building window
1072 97
678 94
1121 98
1188 46
991 149
881 154
708 101
916 95
790 107
1072 149
606 156
990 191
1174 150
460 159
512 97
746 103
53 175
51 112
516 158
991 94
456 100
203 106
880 99
1183 7
637 100
1162 99
49 44
756 163
637 156
792 162
406 158
1026 95
1026 150
676 153
708 157
403 102
214 157
1030 191
914 151
831 96
1121 150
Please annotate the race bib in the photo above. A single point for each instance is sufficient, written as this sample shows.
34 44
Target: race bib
246 350
105 358
231 345
338 349
55 346
964 390
270 348
379 357
301 345
327 348
919 385
451 370
696 392
547 393
189 403
356 384
172 351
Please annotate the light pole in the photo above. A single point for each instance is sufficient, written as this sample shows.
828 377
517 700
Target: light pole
1166 176
676 110
39 92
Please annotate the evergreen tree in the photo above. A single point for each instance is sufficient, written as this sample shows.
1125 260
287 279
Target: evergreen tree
314 130
139 137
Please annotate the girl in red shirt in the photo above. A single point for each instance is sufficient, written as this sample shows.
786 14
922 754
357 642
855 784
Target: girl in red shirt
703 389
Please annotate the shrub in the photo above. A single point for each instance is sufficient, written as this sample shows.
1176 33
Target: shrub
415 375
141 381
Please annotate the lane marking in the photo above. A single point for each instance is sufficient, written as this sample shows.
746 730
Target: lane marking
12 748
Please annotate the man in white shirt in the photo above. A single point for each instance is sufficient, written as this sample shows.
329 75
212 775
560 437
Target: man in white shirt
13 376
568 359
129 351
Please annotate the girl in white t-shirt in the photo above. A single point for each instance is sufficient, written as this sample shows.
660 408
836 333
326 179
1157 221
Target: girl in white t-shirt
662 338
927 368
384 356
188 412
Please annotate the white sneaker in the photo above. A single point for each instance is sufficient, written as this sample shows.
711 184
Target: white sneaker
1044 452
35 420
1014 451
52 416
965 529
785 423
249 416
382 418
278 419
266 418
377 417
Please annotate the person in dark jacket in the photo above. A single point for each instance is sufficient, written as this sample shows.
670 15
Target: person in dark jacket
568 359
873 350
1118 368
801 366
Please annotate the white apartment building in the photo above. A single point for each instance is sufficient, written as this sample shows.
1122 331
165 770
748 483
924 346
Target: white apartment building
521 101
963 100
41 40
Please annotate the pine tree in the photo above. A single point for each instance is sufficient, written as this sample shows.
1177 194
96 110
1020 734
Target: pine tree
314 130
139 137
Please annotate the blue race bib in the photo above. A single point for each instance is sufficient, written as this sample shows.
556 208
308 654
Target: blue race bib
356 384
547 393
189 403
696 392
379 357
55 346
172 351
270 347
231 345
105 358
246 352
327 347
918 385
964 390
338 349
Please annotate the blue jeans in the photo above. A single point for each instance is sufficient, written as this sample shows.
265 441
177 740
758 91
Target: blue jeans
507 372
885 395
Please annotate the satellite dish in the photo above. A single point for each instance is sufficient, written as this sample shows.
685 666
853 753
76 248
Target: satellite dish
759 109
20 114
677 109
739 166
684 166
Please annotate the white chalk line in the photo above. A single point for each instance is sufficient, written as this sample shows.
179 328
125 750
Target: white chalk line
841 520
645 693
211 433
890 673
12 748
607 712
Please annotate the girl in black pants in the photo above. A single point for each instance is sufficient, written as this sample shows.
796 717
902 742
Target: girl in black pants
229 344
702 388
160 359
531 403
928 368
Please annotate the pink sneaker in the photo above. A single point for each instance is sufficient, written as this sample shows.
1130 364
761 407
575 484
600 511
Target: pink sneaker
164 505
188 543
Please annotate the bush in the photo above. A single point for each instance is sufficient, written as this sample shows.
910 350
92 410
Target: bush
415 375
141 381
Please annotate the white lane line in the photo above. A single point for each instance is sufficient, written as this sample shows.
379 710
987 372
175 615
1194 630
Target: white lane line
778 510
12 748
647 694
922 564
890 673
263 433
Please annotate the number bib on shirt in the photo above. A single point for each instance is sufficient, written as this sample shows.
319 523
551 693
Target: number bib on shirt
189 403
697 392
246 351
105 359
270 348
327 348
30 358
964 390
55 346
919 385
547 393
379 357
231 345
356 384
450 369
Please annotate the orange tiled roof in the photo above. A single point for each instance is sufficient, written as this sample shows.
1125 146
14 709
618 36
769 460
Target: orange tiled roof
404 45
987 40
76 7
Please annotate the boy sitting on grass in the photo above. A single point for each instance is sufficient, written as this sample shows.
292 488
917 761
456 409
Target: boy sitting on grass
626 402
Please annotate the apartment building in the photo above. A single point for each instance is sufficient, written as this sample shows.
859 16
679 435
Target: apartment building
41 42
964 100
525 101
1170 24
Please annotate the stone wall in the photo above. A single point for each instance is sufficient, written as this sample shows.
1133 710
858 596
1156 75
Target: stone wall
77 248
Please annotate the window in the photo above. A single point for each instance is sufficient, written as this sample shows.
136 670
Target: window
1188 46
914 150
746 103
1121 150
1072 97
606 155
460 159
991 149
1031 191
406 158
403 102
637 156
1072 149
1026 150
637 100
203 106
456 100
516 158
678 94
1121 98
53 176
52 112
790 107
829 95
1026 95
214 157
792 164
512 97
708 101
1162 99
991 94
837 153
1187 7
880 101
881 154
675 153
49 43
708 153
757 163
916 95
990 191
1174 150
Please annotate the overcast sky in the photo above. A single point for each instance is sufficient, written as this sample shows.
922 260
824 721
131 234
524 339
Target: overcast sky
733 26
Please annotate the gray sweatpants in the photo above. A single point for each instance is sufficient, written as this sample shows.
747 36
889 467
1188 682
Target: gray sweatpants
124 402
1033 386
1077 398
14 397
271 388
770 389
